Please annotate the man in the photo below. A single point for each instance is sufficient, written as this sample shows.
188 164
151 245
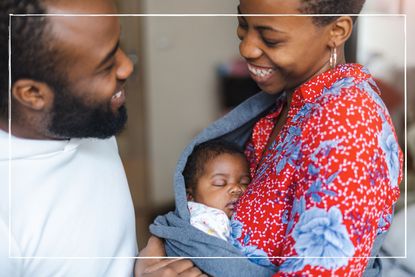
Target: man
63 190
64 194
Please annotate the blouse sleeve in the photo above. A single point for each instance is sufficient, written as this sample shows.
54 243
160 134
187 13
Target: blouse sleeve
347 183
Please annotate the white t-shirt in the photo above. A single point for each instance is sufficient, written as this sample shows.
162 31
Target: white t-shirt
69 199
210 220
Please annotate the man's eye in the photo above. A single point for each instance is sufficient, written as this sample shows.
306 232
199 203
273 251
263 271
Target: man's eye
110 67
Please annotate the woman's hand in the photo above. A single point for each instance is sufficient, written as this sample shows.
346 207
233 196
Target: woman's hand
158 267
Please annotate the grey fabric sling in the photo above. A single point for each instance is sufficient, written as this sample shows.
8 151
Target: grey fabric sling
182 239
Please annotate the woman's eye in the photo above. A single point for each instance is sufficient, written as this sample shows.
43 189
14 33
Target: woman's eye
240 31
219 183
270 43
242 25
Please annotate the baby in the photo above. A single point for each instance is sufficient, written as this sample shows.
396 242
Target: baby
216 175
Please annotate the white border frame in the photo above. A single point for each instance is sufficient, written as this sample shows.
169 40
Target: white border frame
212 15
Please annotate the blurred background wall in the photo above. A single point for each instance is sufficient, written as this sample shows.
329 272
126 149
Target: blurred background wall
187 68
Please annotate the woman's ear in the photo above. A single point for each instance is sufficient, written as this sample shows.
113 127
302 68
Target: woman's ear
341 30
32 94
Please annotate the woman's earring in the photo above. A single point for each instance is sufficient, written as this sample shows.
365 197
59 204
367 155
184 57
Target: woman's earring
333 57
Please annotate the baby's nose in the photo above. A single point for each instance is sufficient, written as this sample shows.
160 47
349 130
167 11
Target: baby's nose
236 190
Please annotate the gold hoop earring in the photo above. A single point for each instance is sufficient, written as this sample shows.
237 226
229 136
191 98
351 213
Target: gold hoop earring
333 57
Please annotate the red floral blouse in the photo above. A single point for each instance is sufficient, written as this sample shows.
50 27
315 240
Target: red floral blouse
326 186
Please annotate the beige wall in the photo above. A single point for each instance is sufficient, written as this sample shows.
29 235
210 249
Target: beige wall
181 56
383 36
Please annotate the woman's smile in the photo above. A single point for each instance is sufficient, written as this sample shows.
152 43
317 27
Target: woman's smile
260 74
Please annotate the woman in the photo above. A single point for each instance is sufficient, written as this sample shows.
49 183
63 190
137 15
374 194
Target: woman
323 153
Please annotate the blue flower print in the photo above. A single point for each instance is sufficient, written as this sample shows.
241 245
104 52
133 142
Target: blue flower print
298 208
292 265
236 228
253 253
316 189
365 70
313 170
304 111
336 88
292 148
390 147
324 148
285 217
384 221
318 234
368 88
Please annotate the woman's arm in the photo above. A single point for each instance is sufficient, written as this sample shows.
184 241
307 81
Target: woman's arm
159 267
345 190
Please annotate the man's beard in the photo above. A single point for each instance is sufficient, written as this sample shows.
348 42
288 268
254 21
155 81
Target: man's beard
72 118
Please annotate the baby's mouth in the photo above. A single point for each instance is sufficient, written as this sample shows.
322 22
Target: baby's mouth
231 205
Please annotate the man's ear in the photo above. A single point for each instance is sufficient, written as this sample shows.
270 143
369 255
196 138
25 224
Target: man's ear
32 94
341 29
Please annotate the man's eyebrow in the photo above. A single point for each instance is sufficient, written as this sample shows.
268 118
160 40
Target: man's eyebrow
110 54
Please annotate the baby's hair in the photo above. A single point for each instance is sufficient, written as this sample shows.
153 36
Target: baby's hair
203 153
330 7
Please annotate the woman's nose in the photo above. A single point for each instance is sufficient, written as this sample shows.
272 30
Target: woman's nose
248 47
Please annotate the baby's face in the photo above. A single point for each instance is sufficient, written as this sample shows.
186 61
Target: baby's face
224 180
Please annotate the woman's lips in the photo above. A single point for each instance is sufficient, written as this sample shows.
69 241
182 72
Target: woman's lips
117 100
260 74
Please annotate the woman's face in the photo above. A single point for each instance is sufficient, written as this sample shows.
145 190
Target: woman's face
282 52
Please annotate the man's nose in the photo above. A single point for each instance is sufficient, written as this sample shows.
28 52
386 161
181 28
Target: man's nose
125 67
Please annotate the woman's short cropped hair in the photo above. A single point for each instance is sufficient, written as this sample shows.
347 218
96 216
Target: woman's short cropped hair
330 7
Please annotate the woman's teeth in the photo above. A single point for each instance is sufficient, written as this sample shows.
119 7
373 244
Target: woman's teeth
261 72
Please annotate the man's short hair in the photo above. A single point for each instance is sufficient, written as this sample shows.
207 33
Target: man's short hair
33 54
330 7
203 153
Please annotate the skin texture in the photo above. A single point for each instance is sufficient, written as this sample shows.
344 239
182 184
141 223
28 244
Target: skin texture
93 64
224 180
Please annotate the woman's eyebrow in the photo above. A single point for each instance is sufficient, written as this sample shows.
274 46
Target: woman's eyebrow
239 12
260 28
268 28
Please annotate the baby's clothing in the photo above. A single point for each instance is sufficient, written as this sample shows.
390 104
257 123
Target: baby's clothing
210 220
